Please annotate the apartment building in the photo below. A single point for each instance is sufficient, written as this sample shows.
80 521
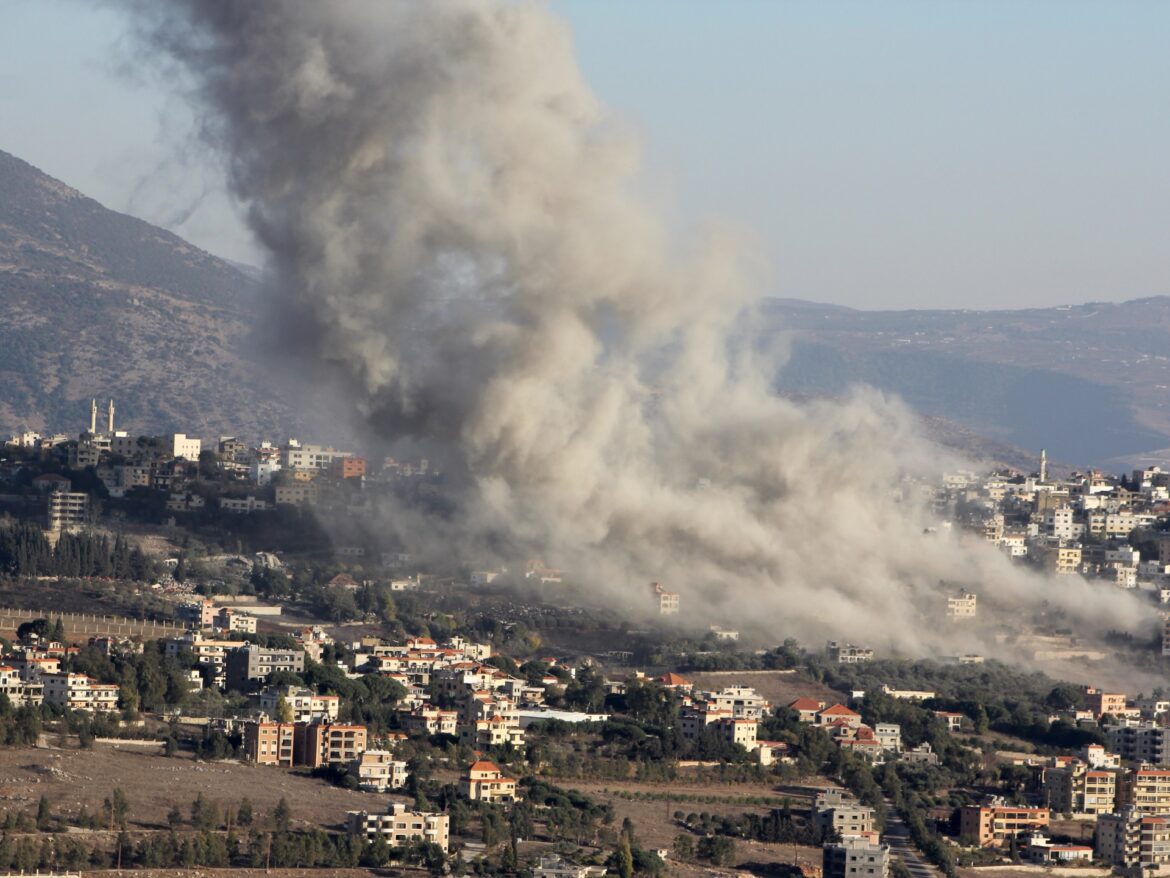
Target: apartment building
66 510
962 605
1147 789
431 721
846 817
1101 703
250 663
79 692
269 743
209 653
18 691
1134 842
318 744
1077 789
856 858
668 601
306 705
995 824
1145 744
400 824
378 771
485 783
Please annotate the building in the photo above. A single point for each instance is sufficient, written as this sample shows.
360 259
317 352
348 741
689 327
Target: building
230 619
305 705
249 663
847 654
1145 744
378 771
1146 789
348 467
807 708
79 692
185 447
856 858
1134 842
1111 703
400 824
318 744
1038 848
269 743
555 867
485 783
198 614
995 824
962 605
66 510
668 603
833 812
1076 789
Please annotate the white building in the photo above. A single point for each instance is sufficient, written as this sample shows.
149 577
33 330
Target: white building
185 447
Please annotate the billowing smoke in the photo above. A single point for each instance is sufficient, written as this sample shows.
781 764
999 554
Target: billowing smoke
456 240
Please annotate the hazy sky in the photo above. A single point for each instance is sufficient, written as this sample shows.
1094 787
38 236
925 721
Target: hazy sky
933 154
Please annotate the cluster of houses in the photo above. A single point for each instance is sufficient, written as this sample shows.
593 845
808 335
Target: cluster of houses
262 476
32 675
1083 524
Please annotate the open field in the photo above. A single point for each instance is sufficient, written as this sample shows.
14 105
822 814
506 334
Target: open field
779 687
152 784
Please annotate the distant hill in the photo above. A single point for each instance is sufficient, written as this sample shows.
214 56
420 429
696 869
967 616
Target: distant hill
1091 383
97 303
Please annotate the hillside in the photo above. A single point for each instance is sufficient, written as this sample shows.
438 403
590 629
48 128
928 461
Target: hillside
97 303
1088 382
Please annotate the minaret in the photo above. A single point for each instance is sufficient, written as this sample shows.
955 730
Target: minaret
111 417
1043 465
93 416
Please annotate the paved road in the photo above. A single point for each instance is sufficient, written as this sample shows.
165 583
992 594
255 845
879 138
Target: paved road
897 836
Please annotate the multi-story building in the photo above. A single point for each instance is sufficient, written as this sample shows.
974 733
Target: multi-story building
18 691
269 743
1133 842
1111 703
317 744
962 605
66 510
297 494
230 619
249 663
485 783
198 613
1145 744
79 692
833 812
847 654
1077 789
310 458
668 601
856 858
186 447
1147 789
305 705
400 825
209 653
378 771
995 824
431 721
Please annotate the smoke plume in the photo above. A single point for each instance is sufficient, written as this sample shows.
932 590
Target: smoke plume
455 238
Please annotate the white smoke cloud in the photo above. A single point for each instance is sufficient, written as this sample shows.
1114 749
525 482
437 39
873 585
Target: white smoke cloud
455 239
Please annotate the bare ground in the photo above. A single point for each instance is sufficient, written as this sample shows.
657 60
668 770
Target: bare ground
153 784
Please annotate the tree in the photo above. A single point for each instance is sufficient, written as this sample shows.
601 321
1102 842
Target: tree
174 817
284 711
44 814
244 812
625 858
116 809
684 847
282 816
